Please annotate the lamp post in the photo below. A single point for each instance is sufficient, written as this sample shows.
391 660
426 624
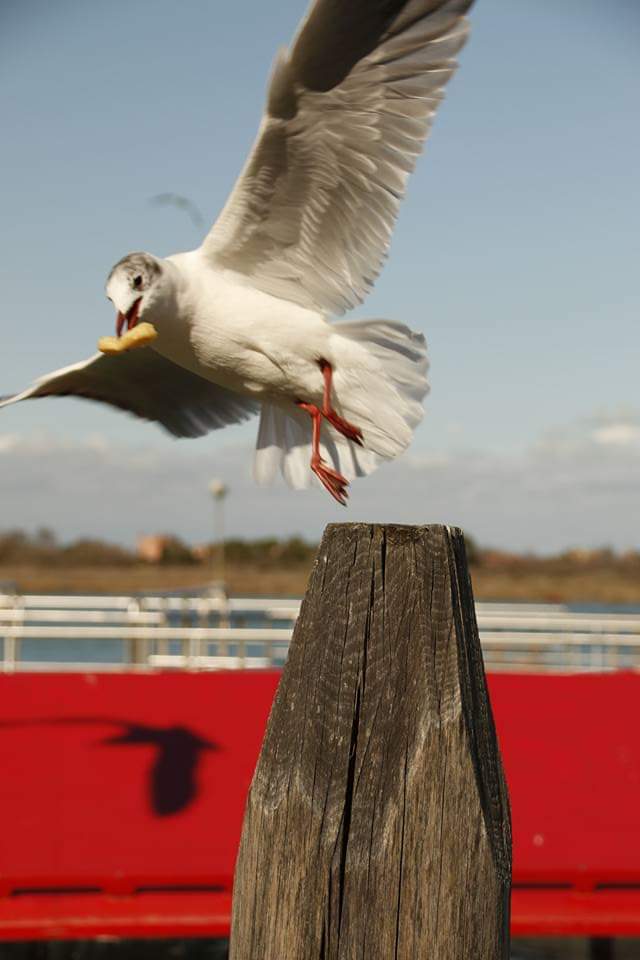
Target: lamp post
219 491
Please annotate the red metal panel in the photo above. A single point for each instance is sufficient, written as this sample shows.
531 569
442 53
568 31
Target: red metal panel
567 913
74 917
97 792
571 753
133 787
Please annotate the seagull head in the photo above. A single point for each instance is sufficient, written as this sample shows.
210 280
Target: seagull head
133 284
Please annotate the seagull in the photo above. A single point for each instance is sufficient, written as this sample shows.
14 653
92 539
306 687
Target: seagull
249 322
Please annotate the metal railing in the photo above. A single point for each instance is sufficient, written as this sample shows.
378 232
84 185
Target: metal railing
215 632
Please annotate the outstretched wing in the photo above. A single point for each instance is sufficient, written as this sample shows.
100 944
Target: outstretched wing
348 109
148 385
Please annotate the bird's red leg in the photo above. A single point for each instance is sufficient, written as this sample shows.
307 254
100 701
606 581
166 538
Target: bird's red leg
347 429
332 481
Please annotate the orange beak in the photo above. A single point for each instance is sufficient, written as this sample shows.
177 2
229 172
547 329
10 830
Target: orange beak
130 318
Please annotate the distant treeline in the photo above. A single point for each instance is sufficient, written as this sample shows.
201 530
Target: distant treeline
19 548
42 548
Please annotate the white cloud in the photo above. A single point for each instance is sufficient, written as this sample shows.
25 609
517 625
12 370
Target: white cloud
7 441
575 486
618 434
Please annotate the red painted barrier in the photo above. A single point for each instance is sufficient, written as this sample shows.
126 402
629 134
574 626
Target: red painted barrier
571 754
123 795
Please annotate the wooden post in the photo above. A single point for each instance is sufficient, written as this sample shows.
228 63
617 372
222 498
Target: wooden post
377 824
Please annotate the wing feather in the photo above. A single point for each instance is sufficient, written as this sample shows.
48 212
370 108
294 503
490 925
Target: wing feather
348 110
148 385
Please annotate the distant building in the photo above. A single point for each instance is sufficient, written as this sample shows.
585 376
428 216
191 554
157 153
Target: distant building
166 548
151 548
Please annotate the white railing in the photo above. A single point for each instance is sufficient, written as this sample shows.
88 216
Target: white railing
211 632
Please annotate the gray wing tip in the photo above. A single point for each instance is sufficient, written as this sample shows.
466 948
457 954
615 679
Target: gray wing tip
282 99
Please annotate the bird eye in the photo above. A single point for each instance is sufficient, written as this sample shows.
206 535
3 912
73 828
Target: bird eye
137 282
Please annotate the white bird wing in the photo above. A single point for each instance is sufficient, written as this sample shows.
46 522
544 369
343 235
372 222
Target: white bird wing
348 109
148 385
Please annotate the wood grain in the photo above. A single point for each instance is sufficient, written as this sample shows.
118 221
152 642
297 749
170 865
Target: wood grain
377 824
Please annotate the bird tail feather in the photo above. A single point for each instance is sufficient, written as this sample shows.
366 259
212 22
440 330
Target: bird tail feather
379 384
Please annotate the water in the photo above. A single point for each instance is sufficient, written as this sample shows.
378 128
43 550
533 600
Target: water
114 651
117 652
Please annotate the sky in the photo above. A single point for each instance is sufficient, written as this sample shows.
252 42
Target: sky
516 253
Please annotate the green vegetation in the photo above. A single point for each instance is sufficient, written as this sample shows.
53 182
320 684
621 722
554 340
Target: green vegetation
42 549
40 563
261 553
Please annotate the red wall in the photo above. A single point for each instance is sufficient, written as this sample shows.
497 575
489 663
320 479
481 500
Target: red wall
129 783
571 751
81 808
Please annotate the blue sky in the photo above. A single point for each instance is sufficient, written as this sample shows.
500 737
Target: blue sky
516 253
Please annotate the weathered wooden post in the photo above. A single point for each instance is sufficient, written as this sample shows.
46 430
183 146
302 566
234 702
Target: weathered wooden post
377 825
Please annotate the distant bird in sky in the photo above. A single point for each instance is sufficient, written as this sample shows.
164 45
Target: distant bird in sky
244 323
181 203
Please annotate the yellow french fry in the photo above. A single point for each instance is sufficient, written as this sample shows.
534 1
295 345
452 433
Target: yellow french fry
140 336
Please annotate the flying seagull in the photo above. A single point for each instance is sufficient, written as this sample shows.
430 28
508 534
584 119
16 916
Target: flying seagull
246 323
